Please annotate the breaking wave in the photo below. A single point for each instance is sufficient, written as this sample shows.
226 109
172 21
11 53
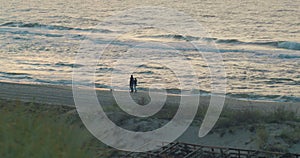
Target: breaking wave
51 27
278 44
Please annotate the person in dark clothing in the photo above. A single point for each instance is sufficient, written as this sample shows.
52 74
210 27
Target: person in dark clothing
135 84
131 83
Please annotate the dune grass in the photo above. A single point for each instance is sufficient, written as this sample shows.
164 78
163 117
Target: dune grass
35 131
230 118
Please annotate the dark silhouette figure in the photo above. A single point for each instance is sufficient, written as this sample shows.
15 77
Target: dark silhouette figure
131 84
135 84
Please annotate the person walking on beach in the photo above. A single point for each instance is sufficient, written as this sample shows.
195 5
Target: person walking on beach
131 83
135 84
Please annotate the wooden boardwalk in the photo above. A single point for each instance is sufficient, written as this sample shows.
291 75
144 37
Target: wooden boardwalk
184 150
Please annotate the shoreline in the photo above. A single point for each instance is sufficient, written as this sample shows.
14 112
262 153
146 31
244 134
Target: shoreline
62 95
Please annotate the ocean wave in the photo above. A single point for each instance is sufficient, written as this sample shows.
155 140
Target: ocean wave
145 72
18 77
54 82
278 44
13 75
34 64
61 64
287 56
151 66
277 98
105 69
172 36
52 27
289 45
279 80
99 85
21 32
235 41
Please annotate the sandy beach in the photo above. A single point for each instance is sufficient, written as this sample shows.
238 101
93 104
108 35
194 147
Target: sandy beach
62 95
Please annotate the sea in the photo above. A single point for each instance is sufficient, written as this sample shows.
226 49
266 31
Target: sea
258 41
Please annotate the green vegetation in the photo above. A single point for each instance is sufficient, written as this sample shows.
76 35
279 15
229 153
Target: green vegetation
231 118
257 123
38 130
282 115
262 137
35 131
291 136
